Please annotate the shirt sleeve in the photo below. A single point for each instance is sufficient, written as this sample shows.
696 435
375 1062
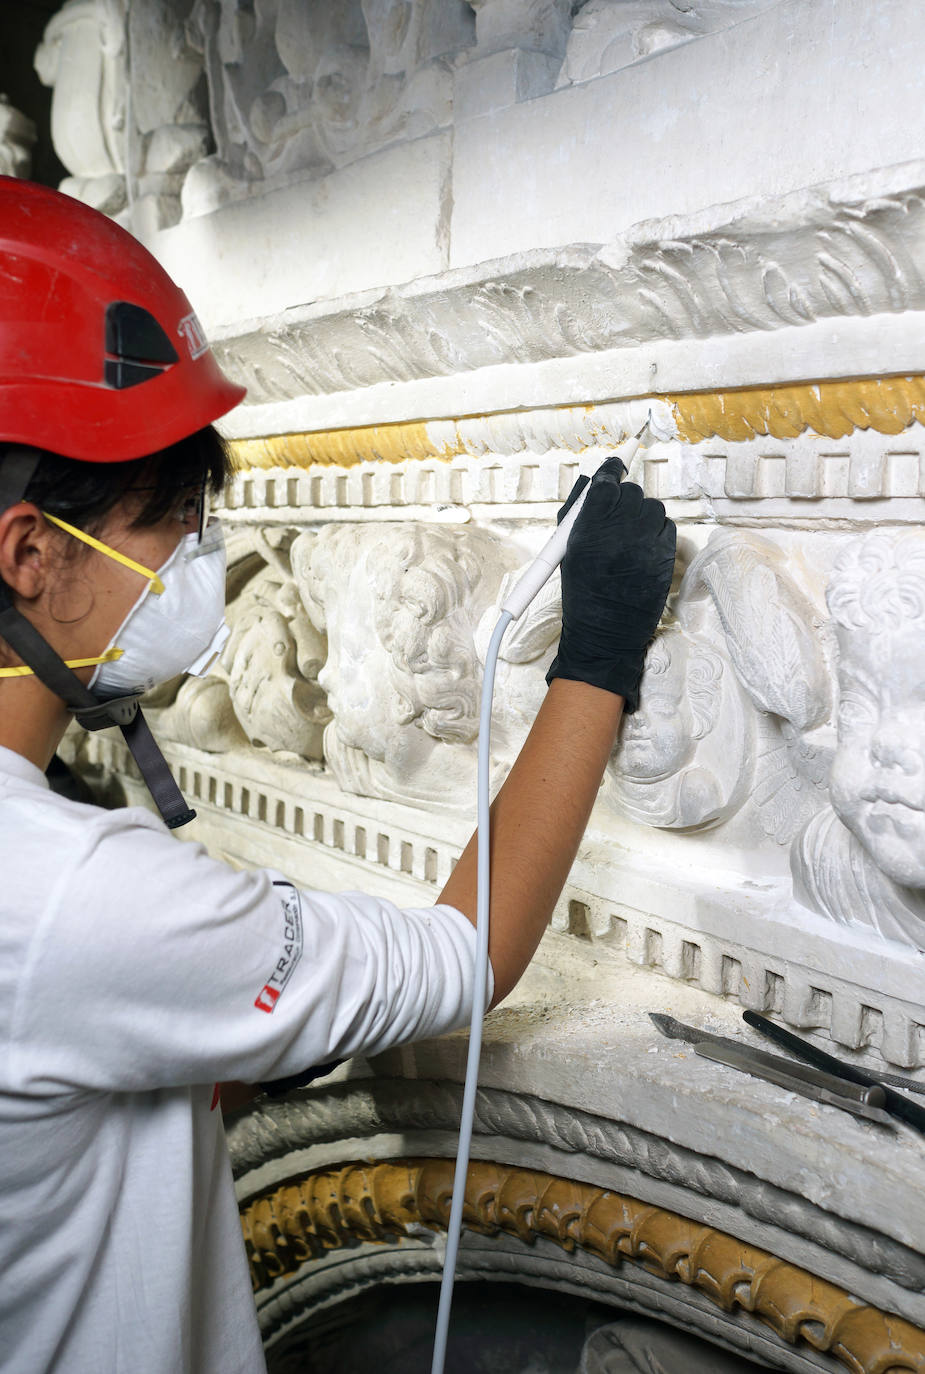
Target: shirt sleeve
156 965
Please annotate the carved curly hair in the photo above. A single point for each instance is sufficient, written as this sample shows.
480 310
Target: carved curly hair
704 674
879 581
431 583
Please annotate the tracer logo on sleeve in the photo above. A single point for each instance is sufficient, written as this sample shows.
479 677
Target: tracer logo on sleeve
291 951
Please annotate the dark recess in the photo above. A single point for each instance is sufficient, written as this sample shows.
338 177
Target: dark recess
22 23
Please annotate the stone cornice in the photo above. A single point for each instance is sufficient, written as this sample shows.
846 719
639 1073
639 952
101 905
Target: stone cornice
832 409
331 1208
844 251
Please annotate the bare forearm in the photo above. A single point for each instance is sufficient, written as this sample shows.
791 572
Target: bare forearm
537 821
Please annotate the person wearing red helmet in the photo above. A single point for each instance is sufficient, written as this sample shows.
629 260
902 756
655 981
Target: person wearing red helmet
135 972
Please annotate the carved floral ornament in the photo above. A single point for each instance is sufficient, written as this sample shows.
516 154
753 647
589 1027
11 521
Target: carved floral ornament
331 1208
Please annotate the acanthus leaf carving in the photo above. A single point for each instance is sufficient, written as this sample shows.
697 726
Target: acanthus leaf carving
752 266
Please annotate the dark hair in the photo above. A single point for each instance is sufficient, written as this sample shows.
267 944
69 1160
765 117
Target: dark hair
83 493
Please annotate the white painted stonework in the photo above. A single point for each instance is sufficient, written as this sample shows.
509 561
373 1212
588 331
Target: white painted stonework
511 230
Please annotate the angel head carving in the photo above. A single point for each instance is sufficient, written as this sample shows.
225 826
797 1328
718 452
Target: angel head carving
399 604
680 707
728 698
877 600
680 756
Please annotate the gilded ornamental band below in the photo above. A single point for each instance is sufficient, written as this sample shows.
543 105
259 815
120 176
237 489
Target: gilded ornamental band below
331 1208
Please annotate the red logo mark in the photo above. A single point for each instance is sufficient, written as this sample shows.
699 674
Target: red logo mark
266 998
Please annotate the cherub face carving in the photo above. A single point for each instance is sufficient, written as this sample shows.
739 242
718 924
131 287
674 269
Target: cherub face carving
877 597
271 659
678 763
399 605
658 739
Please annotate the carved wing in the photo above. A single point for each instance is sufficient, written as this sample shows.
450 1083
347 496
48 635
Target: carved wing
769 629
792 783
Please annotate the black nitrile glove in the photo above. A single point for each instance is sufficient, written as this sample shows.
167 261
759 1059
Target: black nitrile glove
615 580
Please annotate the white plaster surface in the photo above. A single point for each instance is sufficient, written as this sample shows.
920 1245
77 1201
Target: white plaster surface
796 95
376 223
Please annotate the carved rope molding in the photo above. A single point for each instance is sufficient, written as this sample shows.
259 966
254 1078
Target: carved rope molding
273 1129
849 250
331 1208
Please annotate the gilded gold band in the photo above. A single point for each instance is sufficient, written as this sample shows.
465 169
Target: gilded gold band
833 409
829 408
332 1208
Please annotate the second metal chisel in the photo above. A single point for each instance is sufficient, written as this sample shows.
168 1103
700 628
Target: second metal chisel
896 1103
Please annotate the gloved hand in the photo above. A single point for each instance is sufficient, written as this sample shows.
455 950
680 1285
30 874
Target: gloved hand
615 580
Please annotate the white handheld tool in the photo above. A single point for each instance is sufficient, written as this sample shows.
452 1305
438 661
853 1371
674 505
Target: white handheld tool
553 551
536 576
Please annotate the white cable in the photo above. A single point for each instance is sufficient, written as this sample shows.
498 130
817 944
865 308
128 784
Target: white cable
479 994
535 576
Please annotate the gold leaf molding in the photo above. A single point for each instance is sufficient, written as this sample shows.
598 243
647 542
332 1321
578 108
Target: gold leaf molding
331 1208
337 447
833 409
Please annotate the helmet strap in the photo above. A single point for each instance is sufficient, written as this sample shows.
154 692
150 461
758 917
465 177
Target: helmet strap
24 639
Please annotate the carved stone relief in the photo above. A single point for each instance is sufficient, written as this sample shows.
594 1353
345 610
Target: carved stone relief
17 136
729 697
305 88
825 253
863 861
327 1209
610 34
169 126
399 606
265 689
82 56
129 108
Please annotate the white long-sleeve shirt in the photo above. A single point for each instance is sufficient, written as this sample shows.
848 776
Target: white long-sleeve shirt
135 971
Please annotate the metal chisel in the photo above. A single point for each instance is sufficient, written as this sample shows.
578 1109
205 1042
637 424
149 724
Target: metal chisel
865 1100
747 1060
895 1103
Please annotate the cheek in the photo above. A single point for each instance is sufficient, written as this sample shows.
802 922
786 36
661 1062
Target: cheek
849 769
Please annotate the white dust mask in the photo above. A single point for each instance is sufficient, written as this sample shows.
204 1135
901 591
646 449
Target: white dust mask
180 629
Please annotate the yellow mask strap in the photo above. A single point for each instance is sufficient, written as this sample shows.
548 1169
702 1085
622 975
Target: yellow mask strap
109 657
157 585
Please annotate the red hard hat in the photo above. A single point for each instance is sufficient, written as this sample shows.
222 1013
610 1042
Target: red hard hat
101 355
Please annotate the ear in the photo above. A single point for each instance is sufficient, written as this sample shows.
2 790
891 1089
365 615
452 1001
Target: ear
25 544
